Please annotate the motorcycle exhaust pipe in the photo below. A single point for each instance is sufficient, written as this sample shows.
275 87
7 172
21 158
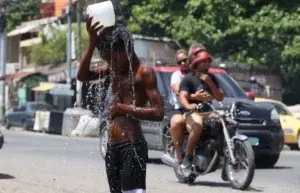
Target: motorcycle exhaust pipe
168 160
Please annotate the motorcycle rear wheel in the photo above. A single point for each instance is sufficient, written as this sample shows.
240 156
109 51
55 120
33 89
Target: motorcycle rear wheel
250 159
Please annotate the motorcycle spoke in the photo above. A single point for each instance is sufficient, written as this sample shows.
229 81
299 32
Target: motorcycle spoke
241 158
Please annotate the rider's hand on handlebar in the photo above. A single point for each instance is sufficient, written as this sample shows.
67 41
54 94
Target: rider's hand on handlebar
207 97
192 107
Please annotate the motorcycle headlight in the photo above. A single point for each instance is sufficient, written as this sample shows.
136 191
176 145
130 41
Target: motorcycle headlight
275 116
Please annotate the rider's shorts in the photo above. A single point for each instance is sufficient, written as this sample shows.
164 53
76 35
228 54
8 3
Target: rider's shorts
196 118
175 112
126 167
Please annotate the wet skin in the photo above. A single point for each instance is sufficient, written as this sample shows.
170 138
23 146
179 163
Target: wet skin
123 125
123 116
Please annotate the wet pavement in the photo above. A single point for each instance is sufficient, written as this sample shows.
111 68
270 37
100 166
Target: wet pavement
41 163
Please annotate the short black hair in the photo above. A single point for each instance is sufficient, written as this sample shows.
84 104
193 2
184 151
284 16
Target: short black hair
118 38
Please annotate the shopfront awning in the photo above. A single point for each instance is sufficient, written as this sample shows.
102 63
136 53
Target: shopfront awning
31 26
16 75
44 87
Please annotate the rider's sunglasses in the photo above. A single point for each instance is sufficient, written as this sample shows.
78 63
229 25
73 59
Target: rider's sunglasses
182 61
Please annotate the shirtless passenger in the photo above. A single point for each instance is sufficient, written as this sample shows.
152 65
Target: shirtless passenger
127 153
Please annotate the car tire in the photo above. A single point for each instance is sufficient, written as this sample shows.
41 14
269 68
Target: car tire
1 140
296 146
268 161
24 126
103 135
7 125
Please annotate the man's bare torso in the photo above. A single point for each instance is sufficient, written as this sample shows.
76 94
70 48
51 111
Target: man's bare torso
126 128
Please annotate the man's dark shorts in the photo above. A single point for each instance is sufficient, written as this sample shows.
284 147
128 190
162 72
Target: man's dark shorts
175 112
126 166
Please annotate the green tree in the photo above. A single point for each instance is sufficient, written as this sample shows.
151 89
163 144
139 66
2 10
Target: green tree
259 33
20 11
53 50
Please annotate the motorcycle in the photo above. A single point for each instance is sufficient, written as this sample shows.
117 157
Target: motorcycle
219 145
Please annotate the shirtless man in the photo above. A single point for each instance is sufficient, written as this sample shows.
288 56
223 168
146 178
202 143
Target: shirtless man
127 153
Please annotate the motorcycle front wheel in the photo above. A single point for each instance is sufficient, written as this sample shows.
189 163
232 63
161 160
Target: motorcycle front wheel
244 155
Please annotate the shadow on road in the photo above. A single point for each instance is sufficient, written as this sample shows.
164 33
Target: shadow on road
6 176
211 184
221 184
275 168
155 161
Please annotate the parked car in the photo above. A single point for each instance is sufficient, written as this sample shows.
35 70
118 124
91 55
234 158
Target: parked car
24 114
289 123
259 122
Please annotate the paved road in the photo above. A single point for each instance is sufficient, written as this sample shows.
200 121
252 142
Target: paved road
40 163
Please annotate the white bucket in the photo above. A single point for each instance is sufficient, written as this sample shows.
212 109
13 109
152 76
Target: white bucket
103 13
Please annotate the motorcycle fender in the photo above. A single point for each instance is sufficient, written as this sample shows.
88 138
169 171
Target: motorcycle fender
240 137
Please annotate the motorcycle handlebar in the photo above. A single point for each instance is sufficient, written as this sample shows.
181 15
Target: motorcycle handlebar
220 112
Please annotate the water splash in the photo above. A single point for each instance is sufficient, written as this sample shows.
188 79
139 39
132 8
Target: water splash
116 39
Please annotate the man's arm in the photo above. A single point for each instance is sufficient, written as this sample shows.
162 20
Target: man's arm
175 83
156 111
215 89
184 94
84 73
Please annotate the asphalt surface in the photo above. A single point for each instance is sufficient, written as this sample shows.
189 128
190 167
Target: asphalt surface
41 163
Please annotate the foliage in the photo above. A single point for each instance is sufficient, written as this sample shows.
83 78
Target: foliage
20 11
54 50
259 33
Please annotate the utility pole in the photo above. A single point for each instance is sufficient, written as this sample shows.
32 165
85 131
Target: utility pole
3 4
78 83
69 46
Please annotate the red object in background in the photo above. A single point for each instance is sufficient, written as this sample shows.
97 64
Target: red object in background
32 115
47 10
250 95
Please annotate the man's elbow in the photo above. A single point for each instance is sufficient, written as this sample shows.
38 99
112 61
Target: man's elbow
81 77
159 115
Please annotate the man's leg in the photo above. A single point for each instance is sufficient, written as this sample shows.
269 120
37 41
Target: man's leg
134 161
195 128
112 164
177 132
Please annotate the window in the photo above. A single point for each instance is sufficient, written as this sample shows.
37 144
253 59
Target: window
163 82
41 107
230 87
282 110
22 108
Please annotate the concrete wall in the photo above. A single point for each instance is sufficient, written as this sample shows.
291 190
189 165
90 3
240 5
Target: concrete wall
13 49
161 51
263 77
151 51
